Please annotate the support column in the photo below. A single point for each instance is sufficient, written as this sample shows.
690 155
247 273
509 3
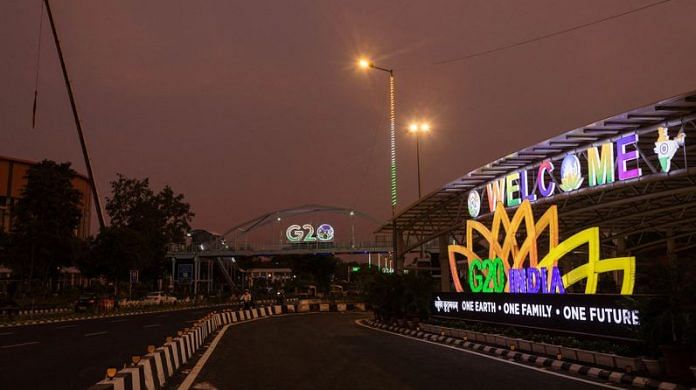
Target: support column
399 255
444 264
620 252
671 246
196 276
210 275
171 280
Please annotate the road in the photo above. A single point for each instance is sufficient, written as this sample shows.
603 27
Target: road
329 351
75 354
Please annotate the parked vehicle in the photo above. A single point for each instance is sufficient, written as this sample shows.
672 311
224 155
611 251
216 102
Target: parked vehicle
86 303
158 298
8 308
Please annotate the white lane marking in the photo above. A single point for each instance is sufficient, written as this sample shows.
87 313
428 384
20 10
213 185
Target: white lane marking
66 326
19 345
151 326
186 384
6 333
95 334
492 357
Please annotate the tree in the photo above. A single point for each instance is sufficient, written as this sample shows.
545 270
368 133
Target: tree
318 269
142 224
45 220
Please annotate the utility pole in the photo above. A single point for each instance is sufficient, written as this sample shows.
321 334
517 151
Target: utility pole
76 117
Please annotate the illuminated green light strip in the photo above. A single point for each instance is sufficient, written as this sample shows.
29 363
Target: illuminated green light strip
392 134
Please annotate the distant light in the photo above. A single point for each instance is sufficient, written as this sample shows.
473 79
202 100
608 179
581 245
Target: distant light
188 234
352 212
278 219
364 63
415 127
202 247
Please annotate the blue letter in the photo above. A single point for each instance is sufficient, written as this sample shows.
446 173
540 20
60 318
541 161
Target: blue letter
556 282
533 280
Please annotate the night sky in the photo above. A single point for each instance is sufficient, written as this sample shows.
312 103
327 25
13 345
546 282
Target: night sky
251 106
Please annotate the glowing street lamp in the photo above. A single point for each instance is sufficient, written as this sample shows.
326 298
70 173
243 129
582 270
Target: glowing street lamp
364 63
418 129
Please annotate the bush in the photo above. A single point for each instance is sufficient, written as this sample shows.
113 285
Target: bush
397 296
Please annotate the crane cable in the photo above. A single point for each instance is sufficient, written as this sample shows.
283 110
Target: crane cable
38 65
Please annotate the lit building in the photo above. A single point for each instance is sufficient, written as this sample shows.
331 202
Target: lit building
12 181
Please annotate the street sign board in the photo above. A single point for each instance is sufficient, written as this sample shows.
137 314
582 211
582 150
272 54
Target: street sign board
184 272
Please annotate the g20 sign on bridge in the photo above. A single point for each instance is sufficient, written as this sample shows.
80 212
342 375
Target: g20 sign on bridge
307 233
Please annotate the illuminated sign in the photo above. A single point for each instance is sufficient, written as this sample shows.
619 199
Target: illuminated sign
571 173
306 233
602 315
474 203
605 164
491 276
517 265
665 147
515 283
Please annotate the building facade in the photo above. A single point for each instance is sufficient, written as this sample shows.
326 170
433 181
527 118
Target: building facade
13 180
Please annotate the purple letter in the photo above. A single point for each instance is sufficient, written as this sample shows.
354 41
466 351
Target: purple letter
517 282
545 191
556 282
544 282
524 187
533 280
622 157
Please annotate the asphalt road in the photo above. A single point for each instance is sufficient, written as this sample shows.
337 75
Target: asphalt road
75 354
329 351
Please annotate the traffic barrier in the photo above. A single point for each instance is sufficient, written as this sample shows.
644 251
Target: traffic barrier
154 369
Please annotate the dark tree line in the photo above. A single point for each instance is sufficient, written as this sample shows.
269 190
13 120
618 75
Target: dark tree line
46 217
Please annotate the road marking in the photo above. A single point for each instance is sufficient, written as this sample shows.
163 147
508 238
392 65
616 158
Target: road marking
6 333
66 326
492 357
19 345
151 326
186 384
95 334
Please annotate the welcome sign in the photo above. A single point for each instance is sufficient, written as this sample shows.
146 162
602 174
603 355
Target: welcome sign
605 164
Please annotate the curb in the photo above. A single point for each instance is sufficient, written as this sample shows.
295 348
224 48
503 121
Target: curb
114 315
159 365
153 370
616 377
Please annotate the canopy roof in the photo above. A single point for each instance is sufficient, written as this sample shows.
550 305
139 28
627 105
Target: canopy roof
644 210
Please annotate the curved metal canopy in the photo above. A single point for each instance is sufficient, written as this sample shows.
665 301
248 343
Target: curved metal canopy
646 211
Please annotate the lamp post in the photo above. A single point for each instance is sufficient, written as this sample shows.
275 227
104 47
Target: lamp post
367 64
418 129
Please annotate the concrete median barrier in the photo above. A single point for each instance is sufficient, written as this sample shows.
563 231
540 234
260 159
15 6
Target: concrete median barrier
153 370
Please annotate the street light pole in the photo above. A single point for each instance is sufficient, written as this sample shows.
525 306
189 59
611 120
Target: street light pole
418 163
417 129
363 63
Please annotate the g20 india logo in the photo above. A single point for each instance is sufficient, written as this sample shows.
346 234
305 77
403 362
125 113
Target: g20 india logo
513 264
305 233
